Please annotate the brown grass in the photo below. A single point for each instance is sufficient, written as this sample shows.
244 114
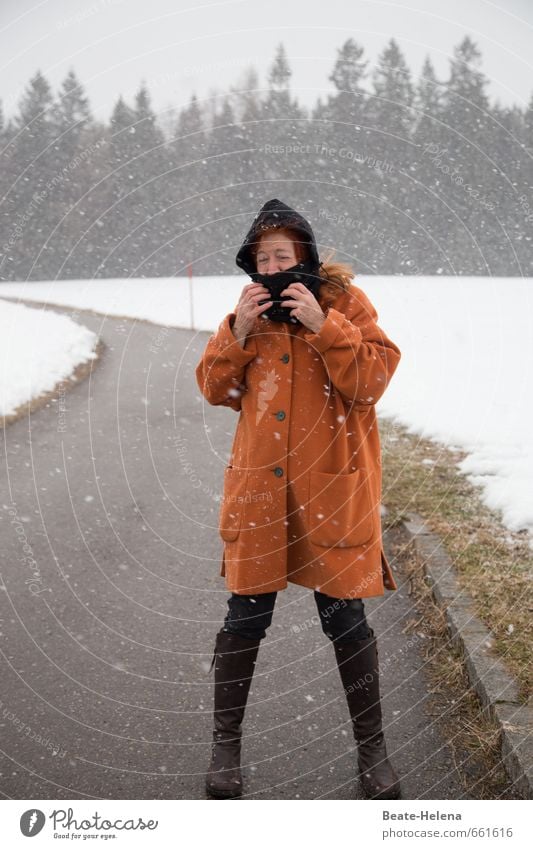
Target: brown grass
472 736
493 564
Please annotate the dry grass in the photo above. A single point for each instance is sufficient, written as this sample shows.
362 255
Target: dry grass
493 564
473 738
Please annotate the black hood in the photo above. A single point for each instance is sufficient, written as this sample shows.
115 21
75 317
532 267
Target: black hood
275 213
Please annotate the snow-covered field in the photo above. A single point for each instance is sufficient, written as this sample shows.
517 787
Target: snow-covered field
465 378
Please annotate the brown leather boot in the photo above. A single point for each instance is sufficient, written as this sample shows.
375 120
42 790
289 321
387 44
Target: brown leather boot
357 661
234 658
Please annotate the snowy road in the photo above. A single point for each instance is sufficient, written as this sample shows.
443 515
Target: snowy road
112 598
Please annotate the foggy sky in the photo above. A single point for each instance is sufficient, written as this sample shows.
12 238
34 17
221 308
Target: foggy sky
179 47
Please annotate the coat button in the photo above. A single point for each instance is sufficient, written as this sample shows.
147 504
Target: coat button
278 471
280 415
285 358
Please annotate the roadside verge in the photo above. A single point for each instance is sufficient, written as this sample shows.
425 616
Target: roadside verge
495 687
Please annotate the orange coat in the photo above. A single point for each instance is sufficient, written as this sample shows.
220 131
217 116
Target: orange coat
302 490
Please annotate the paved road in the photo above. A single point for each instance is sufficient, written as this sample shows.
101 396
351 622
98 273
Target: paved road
112 597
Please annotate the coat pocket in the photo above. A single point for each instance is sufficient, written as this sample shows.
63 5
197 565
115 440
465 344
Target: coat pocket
230 515
340 509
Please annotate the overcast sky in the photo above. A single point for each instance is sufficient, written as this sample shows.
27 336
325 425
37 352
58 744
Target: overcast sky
180 46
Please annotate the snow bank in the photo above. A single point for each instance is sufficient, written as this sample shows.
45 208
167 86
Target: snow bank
38 348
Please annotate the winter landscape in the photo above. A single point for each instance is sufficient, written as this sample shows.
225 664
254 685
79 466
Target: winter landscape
142 150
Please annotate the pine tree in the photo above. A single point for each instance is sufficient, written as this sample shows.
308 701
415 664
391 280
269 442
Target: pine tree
281 129
250 166
391 116
278 102
339 143
466 106
190 181
246 97
249 136
71 177
347 77
151 195
528 125
393 94
28 197
4 188
506 241
71 111
428 100
463 173
149 137
120 212
224 160
466 100
427 135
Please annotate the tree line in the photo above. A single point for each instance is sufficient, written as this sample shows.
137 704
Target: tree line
398 176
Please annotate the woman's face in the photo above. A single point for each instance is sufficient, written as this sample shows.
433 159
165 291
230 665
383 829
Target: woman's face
276 253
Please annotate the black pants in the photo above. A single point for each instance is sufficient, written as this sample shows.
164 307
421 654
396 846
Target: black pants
342 619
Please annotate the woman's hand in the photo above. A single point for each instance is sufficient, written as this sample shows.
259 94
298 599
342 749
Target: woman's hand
306 307
247 309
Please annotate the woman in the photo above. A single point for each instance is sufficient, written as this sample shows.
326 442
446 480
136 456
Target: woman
304 363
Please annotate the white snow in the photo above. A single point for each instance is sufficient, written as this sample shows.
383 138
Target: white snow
38 349
465 377
163 300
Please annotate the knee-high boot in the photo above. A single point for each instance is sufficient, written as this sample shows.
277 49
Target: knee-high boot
358 665
234 659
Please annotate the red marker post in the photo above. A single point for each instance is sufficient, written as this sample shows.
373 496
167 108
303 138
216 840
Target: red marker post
189 274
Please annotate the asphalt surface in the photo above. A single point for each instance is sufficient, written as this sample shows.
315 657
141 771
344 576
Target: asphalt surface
111 599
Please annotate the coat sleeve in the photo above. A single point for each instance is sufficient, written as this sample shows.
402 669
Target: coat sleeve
220 374
358 355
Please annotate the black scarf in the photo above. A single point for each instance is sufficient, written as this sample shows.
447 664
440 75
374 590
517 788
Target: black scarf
275 214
